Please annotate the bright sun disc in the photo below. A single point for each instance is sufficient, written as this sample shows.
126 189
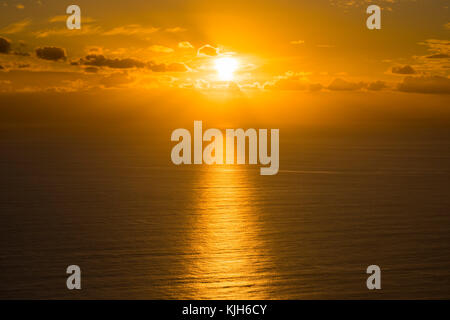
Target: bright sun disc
225 68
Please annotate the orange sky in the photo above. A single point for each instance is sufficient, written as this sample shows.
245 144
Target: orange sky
306 46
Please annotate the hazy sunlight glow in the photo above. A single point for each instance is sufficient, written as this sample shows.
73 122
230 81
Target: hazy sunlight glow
225 68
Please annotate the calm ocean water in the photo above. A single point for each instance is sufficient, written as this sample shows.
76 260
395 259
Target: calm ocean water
140 227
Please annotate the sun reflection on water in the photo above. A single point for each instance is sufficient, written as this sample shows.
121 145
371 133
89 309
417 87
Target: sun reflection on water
229 256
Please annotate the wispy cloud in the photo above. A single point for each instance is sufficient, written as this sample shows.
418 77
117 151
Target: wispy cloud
85 30
292 81
208 50
175 29
437 60
99 60
426 84
16 27
403 70
161 49
185 45
90 29
131 29
339 84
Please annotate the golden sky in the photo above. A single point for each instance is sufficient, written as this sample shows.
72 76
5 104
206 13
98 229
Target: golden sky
307 46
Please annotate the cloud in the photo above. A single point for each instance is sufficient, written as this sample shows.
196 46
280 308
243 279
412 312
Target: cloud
185 45
295 42
31 80
91 70
15 66
162 67
208 50
162 49
377 85
131 29
291 81
16 27
94 50
439 48
175 30
425 84
436 61
116 80
286 84
85 30
100 60
403 70
439 56
23 54
91 29
5 45
436 45
51 53
57 19
23 66
299 81
339 84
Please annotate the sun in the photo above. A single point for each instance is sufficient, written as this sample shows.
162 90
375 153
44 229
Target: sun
225 68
